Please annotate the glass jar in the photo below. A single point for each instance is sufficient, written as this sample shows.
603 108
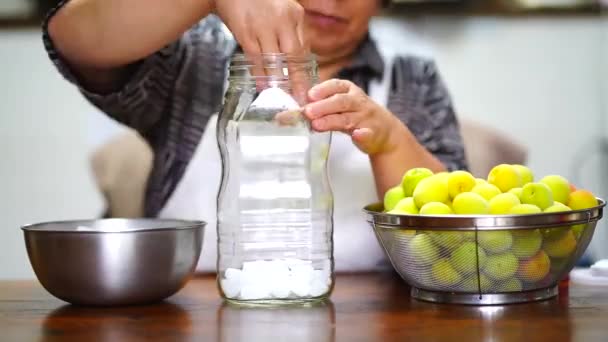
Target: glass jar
275 205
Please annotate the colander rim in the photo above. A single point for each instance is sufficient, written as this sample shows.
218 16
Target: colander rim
376 217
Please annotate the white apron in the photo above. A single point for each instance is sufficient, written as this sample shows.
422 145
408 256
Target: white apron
352 181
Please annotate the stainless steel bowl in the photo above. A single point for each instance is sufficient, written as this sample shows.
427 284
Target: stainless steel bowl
114 261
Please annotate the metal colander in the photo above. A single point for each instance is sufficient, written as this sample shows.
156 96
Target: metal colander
484 259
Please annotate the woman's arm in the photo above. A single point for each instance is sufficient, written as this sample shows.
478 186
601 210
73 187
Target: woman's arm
131 58
390 166
101 39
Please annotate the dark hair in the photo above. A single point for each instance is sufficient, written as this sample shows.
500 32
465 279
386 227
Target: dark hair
44 6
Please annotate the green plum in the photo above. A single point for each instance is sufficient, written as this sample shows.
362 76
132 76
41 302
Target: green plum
502 204
392 197
405 207
538 194
510 285
447 239
526 243
459 182
505 177
560 187
501 266
431 189
464 258
470 203
486 190
435 208
472 284
411 179
494 242
526 174
422 250
444 274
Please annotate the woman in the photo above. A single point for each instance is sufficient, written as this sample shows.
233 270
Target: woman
159 67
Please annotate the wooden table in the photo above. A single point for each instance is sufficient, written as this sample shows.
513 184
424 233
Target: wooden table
365 307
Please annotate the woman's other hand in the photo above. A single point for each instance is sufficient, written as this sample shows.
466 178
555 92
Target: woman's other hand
339 105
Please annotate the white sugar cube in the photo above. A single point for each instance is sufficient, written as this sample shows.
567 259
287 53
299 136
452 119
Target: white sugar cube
254 292
280 287
278 268
318 288
233 273
278 278
255 272
302 274
300 288
321 277
254 266
231 287
249 278
275 98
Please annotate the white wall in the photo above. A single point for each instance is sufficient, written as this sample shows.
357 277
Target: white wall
43 139
601 239
538 79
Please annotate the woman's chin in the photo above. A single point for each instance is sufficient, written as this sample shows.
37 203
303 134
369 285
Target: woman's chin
328 54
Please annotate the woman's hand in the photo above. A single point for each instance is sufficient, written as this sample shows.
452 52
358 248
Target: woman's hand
339 105
265 26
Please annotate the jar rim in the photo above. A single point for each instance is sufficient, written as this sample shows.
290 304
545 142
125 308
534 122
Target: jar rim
242 59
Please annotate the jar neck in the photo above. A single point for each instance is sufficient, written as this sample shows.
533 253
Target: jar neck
272 68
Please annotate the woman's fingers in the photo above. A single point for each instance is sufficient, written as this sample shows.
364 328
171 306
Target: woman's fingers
337 103
289 118
264 27
304 42
269 43
329 88
295 68
289 40
363 136
343 122
329 98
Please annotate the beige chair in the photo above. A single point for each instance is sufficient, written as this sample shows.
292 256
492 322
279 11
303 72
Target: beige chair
122 166
487 147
